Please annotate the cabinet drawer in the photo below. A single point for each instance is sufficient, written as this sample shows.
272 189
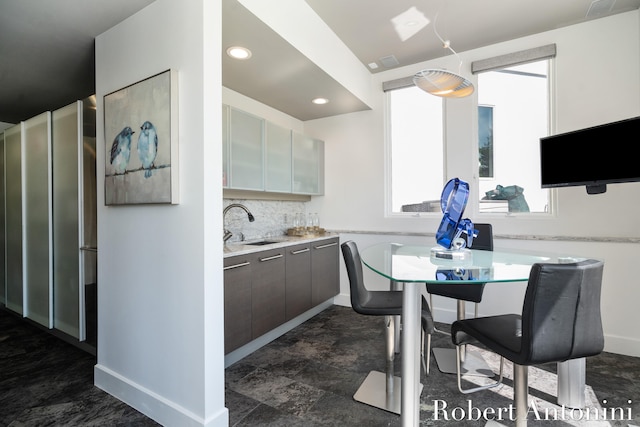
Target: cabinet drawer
237 301
298 280
268 291
325 280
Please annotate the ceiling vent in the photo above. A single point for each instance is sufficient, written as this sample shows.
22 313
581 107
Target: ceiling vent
600 7
389 61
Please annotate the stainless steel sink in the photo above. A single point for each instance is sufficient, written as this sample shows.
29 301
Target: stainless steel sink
260 243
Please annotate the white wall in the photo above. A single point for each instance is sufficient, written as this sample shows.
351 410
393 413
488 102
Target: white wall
160 290
355 166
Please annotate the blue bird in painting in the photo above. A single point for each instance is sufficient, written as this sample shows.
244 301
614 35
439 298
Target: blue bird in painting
121 150
147 147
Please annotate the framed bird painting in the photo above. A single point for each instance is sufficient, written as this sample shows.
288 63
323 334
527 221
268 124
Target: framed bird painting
141 135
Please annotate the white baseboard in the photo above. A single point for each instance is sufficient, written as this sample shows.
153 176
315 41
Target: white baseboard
622 345
151 404
343 300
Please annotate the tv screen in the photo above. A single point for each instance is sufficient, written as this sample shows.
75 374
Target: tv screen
593 157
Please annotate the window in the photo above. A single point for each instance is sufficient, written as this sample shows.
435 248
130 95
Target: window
416 150
485 141
513 114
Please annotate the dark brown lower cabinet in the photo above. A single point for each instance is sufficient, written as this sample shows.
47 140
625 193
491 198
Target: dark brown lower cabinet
263 290
268 292
237 301
325 275
298 280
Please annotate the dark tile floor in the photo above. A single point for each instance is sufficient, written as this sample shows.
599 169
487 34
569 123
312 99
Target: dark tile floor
306 378
45 381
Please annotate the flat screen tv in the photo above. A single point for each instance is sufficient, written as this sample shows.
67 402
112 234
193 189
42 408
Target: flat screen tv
593 157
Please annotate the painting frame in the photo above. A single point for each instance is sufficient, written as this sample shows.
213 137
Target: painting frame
141 142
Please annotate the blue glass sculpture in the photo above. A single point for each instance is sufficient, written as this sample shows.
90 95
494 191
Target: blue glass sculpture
453 202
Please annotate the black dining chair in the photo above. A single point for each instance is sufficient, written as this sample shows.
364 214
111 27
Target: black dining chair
379 389
560 321
445 358
458 291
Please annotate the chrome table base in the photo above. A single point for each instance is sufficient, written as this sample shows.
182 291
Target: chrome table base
375 392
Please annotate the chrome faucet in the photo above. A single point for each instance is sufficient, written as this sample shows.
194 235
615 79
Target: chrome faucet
226 233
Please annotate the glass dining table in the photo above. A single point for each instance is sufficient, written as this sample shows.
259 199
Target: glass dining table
413 266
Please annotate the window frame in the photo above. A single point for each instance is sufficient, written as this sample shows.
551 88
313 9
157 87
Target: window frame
388 156
535 54
474 199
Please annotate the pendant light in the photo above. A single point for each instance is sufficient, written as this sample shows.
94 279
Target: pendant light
440 82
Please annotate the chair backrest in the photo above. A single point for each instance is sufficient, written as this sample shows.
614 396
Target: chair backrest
458 290
484 240
561 312
359 294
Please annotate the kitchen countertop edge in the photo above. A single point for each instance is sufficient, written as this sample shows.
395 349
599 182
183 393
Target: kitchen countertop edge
243 248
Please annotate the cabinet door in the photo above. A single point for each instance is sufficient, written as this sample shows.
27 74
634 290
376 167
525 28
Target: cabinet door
298 280
277 158
237 301
65 155
308 165
13 218
225 146
246 151
37 220
325 282
2 227
268 292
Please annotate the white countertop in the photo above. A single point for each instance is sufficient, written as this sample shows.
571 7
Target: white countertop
241 248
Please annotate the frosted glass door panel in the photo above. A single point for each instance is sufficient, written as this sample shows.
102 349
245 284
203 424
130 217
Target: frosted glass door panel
13 217
308 165
2 218
225 146
37 216
89 267
278 158
89 192
90 322
246 151
65 150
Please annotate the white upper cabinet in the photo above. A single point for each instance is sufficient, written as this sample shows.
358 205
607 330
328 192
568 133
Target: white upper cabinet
225 146
308 165
246 151
261 156
277 158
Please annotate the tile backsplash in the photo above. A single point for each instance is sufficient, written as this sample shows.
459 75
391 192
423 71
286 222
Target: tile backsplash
272 218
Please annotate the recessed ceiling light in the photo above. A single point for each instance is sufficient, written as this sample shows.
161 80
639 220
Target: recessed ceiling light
239 52
320 101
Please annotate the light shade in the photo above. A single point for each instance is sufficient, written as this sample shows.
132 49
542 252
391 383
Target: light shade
443 83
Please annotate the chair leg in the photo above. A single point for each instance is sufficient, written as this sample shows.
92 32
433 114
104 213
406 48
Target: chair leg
428 354
459 350
390 351
424 365
435 328
521 393
382 389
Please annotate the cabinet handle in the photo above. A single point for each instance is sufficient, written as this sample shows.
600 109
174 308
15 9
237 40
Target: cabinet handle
242 264
300 251
269 258
328 245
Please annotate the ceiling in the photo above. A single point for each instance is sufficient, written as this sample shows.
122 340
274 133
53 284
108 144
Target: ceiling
47 51
47 47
